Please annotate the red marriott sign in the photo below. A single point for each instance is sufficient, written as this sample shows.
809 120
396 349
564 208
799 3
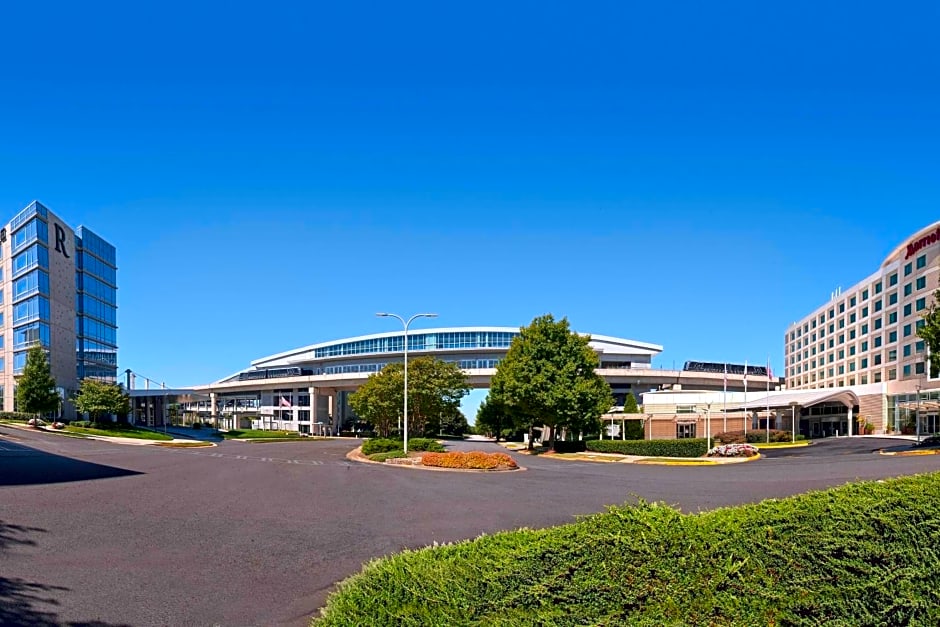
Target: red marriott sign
923 242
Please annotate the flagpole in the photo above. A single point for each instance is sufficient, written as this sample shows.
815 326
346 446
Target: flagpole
768 399
724 399
745 400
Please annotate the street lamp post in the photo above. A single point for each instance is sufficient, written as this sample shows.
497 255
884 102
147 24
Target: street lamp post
917 412
793 405
405 351
708 426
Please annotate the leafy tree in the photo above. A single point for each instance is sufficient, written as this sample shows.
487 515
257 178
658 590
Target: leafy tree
493 418
434 391
453 423
629 404
379 400
548 377
930 333
99 399
35 388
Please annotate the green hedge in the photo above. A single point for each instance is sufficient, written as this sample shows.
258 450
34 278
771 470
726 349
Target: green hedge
651 448
380 445
381 457
424 444
861 554
15 416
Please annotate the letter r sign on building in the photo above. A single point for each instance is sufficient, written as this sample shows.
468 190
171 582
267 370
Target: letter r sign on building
60 240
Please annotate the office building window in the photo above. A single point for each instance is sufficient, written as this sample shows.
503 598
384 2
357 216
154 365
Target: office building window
922 262
893 280
908 268
921 282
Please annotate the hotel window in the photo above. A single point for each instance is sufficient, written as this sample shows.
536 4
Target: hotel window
841 370
877 323
851 350
921 282
893 354
907 350
876 378
864 379
907 309
832 313
907 330
865 329
864 312
921 303
922 262
842 353
852 367
852 318
864 346
919 368
852 301
893 280
813 324
877 305
877 360
893 298
832 343
832 328
832 372
842 338
864 362
878 287
841 308
908 269
865 294
907 370
877 341
892 336
919 325
841 323
892 317
919 347
908 289
851 334
892 374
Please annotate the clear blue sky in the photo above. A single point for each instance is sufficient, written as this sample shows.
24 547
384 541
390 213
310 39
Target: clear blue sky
272 174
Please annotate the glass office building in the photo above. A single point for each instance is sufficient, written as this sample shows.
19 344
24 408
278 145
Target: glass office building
58 289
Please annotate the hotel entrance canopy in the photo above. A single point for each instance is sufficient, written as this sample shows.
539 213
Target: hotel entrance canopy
801 398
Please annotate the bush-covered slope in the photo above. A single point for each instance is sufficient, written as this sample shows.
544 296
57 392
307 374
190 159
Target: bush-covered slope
861 554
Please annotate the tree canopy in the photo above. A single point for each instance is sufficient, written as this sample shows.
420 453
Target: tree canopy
99 399
434 391
548 377
930 333
35 388
629 404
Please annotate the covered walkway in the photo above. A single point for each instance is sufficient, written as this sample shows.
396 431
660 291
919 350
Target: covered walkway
812 413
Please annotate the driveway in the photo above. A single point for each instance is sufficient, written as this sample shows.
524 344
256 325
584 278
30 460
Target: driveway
96 533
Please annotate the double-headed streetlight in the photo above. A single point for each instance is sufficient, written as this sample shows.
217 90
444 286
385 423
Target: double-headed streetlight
405 345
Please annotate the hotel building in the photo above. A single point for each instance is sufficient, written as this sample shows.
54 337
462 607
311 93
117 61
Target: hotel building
865 338
58 289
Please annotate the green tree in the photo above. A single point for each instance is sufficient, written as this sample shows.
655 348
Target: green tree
379 400
930 333
453 423
493 418
99 399
548 378
434 390
629 404
35 388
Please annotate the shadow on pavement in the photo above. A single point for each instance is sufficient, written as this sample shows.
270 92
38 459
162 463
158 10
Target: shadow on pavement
26 602
24 465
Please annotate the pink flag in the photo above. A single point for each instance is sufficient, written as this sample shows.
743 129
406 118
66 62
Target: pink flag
284 402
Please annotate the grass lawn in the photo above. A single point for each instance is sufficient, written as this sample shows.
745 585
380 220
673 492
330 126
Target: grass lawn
258 434
124 431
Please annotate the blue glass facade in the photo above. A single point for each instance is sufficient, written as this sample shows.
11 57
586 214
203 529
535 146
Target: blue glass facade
95 307
420 342
29 241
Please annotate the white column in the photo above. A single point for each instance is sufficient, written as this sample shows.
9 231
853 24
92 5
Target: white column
212 409
850 420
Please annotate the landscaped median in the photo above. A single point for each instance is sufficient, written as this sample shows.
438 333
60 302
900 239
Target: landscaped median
430 453
264 435
861 554
686 452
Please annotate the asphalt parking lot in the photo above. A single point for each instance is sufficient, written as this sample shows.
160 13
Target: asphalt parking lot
94 533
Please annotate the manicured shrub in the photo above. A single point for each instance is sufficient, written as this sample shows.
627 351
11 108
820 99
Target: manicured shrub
81 423
379 445
651 448
561 446
424 444
473 460
381 457
861 554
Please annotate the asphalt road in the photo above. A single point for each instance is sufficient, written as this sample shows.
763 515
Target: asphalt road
93 533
